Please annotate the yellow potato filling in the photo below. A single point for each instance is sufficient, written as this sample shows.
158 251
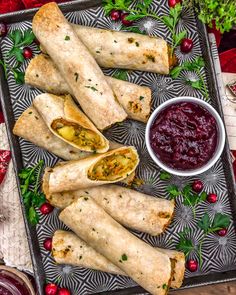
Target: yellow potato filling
115 166
78 135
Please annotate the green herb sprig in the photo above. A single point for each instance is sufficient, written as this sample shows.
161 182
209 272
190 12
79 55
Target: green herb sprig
18 75
142 10
20 40
164 175
121 74
32 197
222 12
208 226
195 65
171 22
190 198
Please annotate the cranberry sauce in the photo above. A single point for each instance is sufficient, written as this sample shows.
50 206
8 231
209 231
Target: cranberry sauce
10 284
184 136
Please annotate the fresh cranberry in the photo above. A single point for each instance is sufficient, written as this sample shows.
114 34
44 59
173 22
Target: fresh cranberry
27 53
48 244
46 208
172 3
124 21
212 198
222 232
3 29
51 289
63 291
192 265
186 45
197 186
115 15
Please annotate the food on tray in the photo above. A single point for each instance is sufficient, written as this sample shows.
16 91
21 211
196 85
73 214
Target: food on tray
77 67
125 50
68 248
31 127
184 136
135 99
145 265
112 166
66 121
137 211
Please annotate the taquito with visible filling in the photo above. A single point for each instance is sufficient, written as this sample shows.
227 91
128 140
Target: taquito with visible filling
136 210
30 126
110 167
126 50
135 99
149 268
77 66
68 248
66 121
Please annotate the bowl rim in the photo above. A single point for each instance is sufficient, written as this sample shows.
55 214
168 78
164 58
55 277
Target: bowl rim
219 147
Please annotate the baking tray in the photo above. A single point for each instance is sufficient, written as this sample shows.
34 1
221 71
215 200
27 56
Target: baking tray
219 253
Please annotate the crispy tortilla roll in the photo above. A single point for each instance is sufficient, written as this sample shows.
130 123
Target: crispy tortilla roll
136 100
31 127
68 248
136 210
77 66
110 167
66 121
148 267
126 50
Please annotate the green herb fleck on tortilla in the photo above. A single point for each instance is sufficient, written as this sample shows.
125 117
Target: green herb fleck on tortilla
67 38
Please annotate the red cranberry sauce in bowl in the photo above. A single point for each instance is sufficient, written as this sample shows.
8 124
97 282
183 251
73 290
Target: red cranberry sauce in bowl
184 135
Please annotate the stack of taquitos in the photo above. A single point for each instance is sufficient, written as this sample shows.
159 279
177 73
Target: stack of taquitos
153 269
135 99
77 66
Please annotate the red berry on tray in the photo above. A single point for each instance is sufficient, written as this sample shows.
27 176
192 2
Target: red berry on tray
212 198
172 3
51 289
46 208
48 244
63 291
124 21
186 45
192 265
3 29
197 186
115 15
222 232
27 53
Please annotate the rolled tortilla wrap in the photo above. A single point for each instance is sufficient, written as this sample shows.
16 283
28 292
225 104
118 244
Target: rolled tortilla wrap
136 210
31 127
68 248
77 66
126 50
110 167
148 267
135 99
66 121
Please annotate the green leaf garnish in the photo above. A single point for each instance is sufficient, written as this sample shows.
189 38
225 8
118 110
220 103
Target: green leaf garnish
121 75
32 198
165 175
